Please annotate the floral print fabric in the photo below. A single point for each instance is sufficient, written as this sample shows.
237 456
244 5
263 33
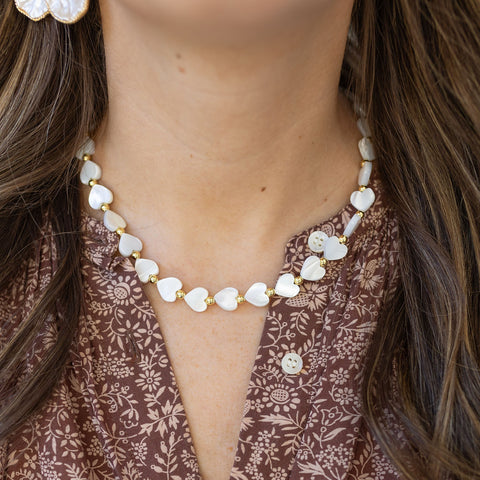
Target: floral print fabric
117 412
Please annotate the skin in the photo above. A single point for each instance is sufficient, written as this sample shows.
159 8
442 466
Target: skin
226 135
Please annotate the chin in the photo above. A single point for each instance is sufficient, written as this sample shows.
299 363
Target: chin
219 17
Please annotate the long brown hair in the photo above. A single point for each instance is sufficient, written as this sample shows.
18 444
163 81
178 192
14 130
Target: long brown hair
52 92
415 67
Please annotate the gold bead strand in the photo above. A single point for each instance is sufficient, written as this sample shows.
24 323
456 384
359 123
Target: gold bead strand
336 248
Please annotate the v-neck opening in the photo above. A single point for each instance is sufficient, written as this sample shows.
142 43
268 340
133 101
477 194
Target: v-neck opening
181 398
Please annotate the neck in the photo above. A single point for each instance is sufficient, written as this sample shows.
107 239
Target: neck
226 129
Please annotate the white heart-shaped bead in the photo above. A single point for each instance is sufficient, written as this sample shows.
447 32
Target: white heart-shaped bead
311 269
286 287
316 241
99 195
256 295
227 299
129 244
90 171
167 288
113 221
367 150
196 299
145 268
364 127
352 225
365 173
87 148
334 250
362 200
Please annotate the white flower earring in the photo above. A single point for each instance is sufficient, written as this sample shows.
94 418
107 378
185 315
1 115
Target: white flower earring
65 11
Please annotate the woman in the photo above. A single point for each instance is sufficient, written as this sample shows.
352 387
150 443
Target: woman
230 138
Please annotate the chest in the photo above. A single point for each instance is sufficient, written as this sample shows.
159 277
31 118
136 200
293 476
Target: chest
119 413
212 356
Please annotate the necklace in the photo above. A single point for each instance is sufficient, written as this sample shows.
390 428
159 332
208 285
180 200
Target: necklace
198 299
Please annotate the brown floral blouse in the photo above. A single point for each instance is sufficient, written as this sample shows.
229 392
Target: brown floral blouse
117 412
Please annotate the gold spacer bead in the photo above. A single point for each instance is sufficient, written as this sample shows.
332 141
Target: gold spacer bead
120 231
362 163
136 255
153 278
298 280
240 299
210 300
105 207
362 188
323 262
180 294
270 292
92 182
86 157
342 239
359 213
